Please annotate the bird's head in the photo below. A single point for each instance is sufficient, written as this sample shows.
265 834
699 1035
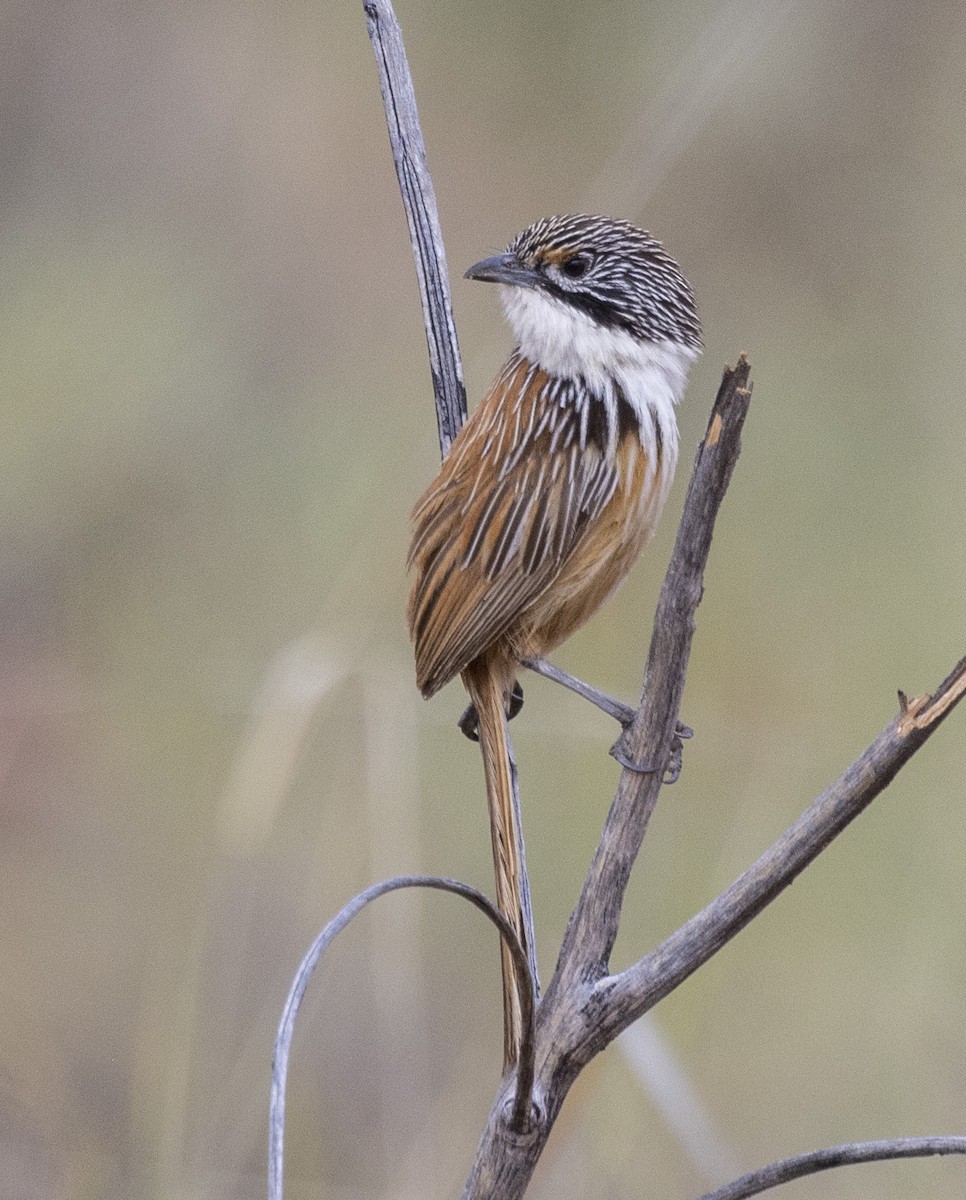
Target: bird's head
586 294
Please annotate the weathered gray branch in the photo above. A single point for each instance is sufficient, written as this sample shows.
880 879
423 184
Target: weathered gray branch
585 1009
593 926
835 1156
625 997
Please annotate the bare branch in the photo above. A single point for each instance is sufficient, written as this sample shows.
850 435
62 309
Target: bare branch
584 1009
519 1113
835 1156
419 199
626 996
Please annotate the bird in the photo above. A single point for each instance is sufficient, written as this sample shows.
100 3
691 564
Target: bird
552 486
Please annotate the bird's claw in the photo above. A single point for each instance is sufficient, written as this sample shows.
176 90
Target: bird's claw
617 751
469 723
672 768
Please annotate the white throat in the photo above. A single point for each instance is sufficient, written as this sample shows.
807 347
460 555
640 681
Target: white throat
566 342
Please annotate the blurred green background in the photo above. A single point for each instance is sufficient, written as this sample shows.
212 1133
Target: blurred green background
217 416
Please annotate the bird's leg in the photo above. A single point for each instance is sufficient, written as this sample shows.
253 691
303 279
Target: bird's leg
469 722
621 712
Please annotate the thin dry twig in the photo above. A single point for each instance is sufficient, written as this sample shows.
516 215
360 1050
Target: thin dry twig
851 1153
519 1111
576 1022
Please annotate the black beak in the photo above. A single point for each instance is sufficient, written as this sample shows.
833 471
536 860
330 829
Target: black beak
505 268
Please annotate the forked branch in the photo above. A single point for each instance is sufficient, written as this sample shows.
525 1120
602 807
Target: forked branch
573 1016
585 1008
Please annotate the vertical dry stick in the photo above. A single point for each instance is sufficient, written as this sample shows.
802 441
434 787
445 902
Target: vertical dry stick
419 200
593 925
570 1015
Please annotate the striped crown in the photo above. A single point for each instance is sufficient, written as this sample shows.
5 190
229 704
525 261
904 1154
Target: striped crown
614 272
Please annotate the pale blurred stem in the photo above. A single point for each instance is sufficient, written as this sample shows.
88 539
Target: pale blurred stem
585 1007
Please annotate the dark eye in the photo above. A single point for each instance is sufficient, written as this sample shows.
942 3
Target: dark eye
576 267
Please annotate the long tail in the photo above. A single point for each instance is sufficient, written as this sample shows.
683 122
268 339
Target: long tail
487 688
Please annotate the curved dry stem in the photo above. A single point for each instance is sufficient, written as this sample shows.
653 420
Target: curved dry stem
523 1096
846 1155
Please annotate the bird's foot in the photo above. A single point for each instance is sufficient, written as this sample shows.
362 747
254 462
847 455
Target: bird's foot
672 768
469 722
